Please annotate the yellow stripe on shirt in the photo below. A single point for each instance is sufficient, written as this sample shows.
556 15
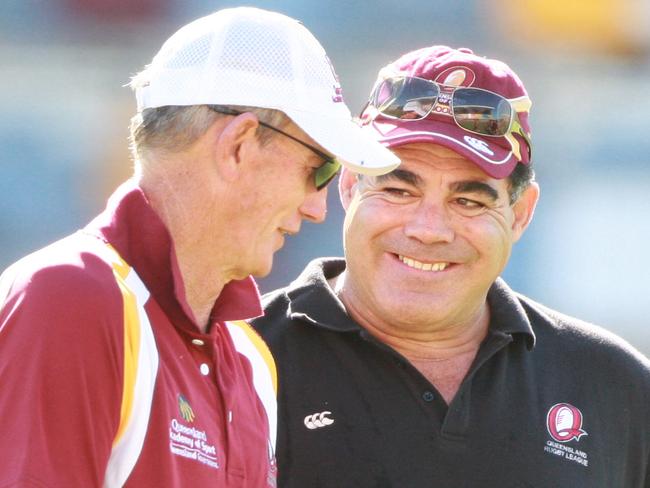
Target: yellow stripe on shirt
131 353
265 376
140 370
262 348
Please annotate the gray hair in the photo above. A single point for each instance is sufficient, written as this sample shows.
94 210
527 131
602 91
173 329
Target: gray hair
171 129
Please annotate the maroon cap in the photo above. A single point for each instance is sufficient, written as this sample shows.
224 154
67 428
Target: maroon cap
497 156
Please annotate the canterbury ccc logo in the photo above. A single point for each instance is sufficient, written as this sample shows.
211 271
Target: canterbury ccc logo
479 145
564 422
318 420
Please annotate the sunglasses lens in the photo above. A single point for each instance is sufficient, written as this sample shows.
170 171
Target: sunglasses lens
326 173
405 98
481 111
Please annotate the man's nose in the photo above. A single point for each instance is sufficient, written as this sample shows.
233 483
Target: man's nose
430 223
314 207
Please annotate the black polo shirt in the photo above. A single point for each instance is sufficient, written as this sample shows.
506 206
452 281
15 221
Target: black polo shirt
548 402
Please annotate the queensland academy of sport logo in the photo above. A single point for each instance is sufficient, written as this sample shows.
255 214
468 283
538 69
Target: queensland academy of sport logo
189 441
186 410
564 422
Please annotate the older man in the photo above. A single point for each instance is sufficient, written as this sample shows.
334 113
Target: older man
411 363
122 362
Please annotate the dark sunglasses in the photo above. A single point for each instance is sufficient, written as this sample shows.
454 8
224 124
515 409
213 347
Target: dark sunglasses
473 109
323 174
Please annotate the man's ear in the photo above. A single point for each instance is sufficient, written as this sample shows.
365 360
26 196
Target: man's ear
348 181
524 209
233 141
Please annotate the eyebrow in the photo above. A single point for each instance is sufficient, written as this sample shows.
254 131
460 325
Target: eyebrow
466 186
401 175
473 186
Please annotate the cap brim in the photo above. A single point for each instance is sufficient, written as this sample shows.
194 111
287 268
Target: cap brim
486 152
356 148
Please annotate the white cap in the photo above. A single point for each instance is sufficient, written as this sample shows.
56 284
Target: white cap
252 57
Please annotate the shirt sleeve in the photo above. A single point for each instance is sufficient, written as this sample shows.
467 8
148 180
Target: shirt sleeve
61 372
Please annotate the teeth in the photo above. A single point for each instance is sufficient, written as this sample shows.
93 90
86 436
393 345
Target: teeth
423 266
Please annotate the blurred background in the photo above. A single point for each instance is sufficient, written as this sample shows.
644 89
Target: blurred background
586 63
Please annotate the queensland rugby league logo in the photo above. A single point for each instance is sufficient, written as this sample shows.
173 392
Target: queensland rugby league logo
450 79
564 422
456 76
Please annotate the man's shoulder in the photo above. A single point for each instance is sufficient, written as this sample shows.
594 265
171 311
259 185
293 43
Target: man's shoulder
564 335
63 305
275 302
276 306
68 271
311 282
277 327
557 324
306 300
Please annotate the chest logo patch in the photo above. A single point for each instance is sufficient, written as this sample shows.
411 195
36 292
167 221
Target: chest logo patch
188 441
185 408
318 420
564 424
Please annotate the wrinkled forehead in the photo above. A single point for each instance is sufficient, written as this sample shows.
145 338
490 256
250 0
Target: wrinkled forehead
434 157
424 161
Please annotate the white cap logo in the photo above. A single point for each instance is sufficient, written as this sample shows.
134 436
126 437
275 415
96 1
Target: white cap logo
479 145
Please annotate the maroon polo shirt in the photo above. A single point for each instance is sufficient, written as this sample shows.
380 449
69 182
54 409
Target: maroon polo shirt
105 375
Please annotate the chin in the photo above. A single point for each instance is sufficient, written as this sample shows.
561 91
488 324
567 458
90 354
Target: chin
262 270
261 274
416 307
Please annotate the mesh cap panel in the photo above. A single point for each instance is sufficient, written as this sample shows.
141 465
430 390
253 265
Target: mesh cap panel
252 57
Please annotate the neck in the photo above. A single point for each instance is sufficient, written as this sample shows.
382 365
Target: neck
201 286
201 267
426 341
435 344
442 352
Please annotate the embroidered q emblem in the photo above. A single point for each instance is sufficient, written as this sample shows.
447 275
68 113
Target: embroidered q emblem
564 422
456 76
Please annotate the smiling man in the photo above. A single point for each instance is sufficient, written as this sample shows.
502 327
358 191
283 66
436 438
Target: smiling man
411 363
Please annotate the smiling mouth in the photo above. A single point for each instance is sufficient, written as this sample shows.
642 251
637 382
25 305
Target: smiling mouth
413 263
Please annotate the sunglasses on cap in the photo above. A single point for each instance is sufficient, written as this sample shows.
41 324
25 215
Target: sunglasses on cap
475 110
323 175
